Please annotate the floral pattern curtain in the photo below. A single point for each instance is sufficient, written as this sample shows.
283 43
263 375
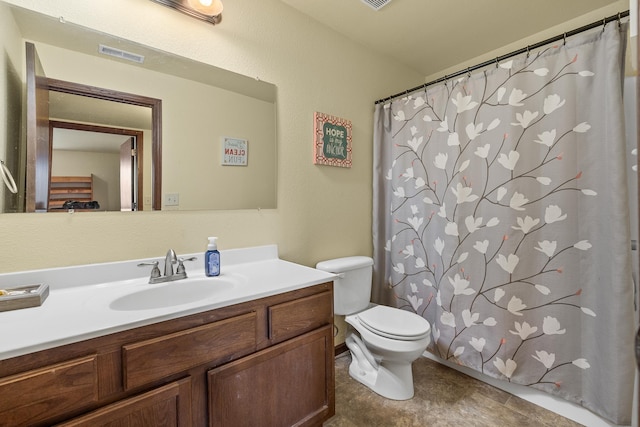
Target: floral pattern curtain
501 216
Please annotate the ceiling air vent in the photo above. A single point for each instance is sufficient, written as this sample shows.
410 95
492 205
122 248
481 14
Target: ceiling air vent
118 53
376 4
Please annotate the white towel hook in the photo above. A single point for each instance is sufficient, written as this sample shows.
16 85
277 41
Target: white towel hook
8 178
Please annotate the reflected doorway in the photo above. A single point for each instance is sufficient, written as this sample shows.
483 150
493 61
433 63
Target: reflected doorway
104 159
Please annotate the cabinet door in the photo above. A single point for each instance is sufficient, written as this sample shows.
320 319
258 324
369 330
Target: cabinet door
166 406
290 384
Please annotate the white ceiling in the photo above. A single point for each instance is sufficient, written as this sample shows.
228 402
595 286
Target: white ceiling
432 35
79 140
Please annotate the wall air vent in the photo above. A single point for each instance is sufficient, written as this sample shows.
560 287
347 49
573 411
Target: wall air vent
376 4
118 53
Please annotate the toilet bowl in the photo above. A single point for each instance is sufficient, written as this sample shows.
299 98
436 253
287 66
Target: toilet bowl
383 341
382 355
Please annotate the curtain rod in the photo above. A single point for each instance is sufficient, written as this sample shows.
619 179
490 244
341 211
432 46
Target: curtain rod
563 36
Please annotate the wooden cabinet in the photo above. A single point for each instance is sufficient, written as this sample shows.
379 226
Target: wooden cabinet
289 384
263 362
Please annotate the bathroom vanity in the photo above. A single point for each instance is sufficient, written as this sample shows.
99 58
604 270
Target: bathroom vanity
258 353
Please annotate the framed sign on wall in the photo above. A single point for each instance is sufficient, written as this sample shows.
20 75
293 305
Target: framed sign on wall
235 151
332 141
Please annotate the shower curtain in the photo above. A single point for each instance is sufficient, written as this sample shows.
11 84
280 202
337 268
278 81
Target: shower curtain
501 216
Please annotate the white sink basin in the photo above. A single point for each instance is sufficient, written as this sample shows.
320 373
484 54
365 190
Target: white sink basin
162 295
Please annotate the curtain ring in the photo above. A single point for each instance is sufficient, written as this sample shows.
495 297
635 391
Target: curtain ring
528 52
564 43
604 24
469 72
619 21
496 62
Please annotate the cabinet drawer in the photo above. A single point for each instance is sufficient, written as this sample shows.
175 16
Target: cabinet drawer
296 317
151 360
33 396
167 406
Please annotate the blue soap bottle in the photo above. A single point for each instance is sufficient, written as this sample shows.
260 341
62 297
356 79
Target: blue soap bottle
212 258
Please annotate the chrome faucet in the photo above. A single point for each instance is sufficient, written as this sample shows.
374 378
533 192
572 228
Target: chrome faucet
169 275
169 260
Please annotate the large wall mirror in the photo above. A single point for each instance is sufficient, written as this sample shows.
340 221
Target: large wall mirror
204 110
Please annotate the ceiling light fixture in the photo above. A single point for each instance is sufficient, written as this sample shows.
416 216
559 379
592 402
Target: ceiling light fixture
207 7
206 10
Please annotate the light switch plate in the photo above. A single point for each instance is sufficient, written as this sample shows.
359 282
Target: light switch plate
171 199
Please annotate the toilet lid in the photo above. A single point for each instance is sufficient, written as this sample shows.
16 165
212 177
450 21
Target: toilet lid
394 323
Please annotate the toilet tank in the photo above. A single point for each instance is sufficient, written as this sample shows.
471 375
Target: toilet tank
352 287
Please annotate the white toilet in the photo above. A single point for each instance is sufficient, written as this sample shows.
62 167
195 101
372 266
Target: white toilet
386 340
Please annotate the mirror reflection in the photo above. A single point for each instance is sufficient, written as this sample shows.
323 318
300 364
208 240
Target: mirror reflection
112 156
121 114
202 106
95 167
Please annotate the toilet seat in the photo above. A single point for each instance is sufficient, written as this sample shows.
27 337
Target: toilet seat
394 323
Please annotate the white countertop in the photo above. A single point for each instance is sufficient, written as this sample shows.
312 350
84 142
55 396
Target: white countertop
77 307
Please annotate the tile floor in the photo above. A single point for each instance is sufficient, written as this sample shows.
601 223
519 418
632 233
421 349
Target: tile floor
443 397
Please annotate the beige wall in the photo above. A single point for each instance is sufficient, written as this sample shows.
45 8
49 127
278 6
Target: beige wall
322 212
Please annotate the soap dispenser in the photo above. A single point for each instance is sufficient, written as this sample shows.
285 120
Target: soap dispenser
212 258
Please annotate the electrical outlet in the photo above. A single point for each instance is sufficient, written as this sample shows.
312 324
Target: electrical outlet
171 199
